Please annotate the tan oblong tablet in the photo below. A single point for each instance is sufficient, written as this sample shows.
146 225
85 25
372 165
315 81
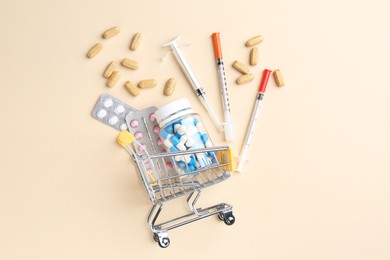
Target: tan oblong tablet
278 78
110 69
133 90
240 67
147 83
254 56
131 64
170 87
135 41
94 50
115 75
245 79
111 32
254 41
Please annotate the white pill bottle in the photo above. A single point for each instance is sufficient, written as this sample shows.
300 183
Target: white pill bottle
180 130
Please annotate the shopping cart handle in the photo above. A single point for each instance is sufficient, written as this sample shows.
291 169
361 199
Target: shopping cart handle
125 138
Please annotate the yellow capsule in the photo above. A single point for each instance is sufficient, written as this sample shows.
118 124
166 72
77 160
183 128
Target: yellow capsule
131 64
254 41
135 41
113 79
133 90
94 50
111 32
254 56
170 87
278 78
245 79
241 67
109 70
147 83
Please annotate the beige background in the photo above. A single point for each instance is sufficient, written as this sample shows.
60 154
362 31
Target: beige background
316 185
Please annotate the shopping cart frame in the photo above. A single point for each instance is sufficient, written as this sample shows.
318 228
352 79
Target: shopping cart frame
177 186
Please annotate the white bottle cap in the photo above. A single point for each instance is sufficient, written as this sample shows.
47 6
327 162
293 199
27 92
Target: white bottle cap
172 111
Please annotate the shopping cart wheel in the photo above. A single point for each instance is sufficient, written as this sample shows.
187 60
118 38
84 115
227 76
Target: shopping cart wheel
164 242
221 216
229 219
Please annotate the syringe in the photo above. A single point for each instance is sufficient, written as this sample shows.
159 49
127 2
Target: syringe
252 122
193 81
228 126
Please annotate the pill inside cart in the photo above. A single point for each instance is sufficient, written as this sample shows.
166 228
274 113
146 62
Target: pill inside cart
138 135
156 129
168 165
134 123
152 117
142 147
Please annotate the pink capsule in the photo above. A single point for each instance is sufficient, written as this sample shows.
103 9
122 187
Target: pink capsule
168 165
142 147
138 135
152 117
159 142
156 129
134 123
146 161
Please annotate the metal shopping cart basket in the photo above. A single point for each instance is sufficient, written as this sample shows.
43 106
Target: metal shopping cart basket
165 180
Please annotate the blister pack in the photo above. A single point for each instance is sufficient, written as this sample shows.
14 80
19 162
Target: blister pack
143 125
112 112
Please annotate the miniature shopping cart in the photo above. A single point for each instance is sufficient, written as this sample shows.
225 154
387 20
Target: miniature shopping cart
164 179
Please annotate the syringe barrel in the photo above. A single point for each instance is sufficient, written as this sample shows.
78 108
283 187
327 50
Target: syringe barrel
185 67
250 130
222 82
210 111
194 82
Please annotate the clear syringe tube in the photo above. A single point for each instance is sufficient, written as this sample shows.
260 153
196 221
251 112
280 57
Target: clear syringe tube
193 81
227 125
252 122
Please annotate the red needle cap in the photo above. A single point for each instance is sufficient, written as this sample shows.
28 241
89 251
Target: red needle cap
264 80
217 45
